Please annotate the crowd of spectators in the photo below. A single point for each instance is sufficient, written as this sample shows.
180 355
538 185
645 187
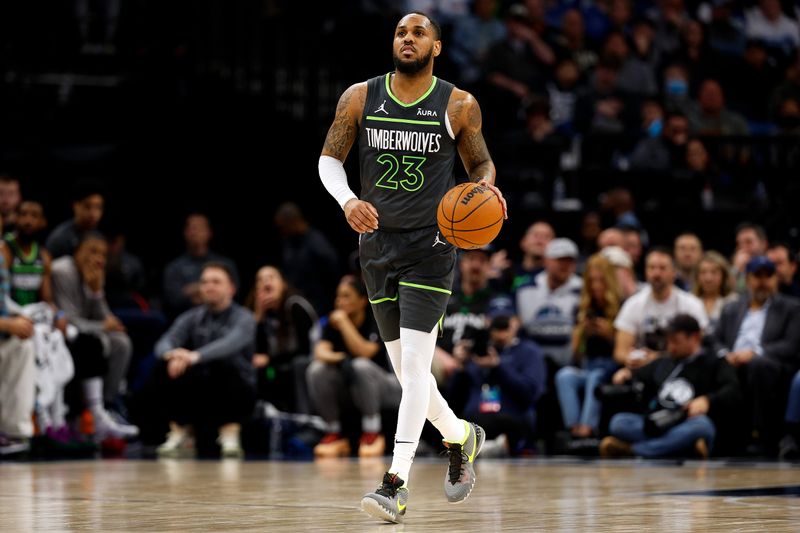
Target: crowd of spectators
593 342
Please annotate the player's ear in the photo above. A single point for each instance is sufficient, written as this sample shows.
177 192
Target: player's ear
437 48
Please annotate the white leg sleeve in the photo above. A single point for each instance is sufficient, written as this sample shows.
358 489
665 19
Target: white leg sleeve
420 398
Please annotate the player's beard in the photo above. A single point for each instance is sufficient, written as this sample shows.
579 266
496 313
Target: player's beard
414 66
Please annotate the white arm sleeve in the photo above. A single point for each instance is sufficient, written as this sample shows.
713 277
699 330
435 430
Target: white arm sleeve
334 178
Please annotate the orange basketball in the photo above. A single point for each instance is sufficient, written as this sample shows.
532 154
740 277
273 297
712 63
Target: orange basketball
470 216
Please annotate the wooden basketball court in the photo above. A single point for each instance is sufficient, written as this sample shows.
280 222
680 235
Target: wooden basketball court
524 495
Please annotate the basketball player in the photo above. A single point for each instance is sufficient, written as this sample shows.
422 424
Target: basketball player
409 126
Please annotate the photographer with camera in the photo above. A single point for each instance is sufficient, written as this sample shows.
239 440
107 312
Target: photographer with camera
690 391
501 378
642 318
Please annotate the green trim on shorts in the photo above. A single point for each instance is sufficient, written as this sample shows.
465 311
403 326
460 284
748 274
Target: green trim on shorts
387 299
425 287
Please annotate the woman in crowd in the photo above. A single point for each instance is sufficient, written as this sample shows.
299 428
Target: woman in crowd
714 286
593 349
350 363
285 333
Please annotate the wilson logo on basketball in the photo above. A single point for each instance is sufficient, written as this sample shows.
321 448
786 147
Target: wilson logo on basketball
470 194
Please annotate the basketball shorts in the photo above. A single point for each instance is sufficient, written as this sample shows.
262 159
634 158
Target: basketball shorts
409 277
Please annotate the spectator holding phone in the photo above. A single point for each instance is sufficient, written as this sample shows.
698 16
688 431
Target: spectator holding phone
592 348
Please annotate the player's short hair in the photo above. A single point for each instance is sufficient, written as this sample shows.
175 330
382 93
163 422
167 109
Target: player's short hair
437 29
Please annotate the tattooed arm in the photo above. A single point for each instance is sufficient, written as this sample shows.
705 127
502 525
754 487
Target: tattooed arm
362 216
343 131
465 118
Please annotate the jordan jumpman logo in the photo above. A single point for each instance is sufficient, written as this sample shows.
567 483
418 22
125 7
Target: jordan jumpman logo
382 108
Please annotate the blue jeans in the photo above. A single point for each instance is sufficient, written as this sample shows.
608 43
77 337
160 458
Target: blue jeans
793 407
630 428
570 381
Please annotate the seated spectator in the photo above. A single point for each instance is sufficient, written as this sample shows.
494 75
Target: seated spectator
669 18
713 284
760 336
206 372
571 42
286 325
547 306
128 298
126 278
592 348
610 237
28 262
725 31
677 88
699 59
514 65
785 262
788 116
751 241
473 35
665 151
618 204
695 181
502 380
785 99
17 375
789 446
562 92
309 261
633 244
766 21
465 316
101 349
688 251
182 275
692 387
88 204
31 292
753 80
533 245
603 107
635 77
643 318
590 231
10 199
531 155
350 360
709 115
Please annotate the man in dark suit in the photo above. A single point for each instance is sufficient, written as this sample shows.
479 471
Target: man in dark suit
760 335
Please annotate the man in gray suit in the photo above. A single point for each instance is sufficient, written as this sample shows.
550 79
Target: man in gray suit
760 335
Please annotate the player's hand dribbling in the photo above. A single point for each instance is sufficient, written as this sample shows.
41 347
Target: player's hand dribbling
362 216
484 183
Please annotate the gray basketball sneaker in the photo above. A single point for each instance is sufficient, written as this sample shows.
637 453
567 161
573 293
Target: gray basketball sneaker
460 478
388 502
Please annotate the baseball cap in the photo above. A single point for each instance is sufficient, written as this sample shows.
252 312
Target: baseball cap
617 256
561 248
760 262
500 306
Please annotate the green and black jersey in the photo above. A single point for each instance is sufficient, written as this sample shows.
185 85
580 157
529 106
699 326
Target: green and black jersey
406 154
27 272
